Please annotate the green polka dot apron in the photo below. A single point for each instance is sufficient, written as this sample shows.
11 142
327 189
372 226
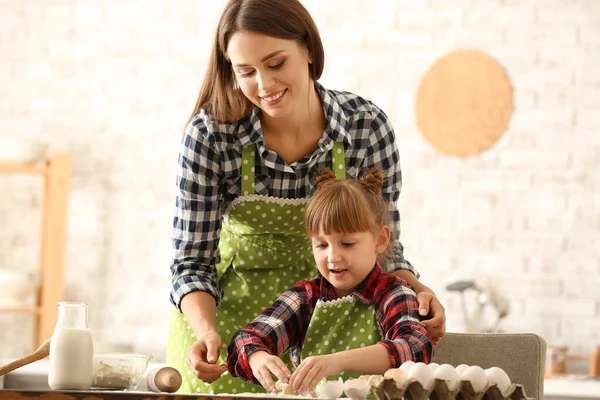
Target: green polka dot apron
264 251
338 325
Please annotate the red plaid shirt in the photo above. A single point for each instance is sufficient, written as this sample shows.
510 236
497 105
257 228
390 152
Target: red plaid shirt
283 325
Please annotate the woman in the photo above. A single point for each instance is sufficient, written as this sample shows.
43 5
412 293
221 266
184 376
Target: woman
261 128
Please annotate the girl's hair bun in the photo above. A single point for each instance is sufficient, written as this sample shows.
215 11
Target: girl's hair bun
324 176
373 180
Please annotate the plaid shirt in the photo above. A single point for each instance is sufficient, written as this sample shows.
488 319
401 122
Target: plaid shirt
209 179
284 324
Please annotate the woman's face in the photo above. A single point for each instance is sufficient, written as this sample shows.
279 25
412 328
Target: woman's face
272 73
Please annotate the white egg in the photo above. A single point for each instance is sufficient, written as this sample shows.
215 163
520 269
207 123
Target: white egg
331 389
476 376
406 366
497 376
447 372
433 366
399 376
461 368
422 374
357 389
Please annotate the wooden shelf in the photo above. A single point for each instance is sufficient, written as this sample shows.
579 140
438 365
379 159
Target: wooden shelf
23 169
24 310
56 174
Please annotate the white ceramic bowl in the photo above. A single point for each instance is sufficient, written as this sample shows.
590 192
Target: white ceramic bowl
21 150
17 286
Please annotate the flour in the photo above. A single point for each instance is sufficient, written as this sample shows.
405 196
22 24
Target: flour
281 390
108 376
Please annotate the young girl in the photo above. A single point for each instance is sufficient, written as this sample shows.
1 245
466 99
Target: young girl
352 317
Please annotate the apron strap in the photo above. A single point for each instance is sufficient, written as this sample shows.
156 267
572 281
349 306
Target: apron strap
338 160
248 170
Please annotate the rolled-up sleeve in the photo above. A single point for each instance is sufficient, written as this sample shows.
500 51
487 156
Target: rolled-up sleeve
197 220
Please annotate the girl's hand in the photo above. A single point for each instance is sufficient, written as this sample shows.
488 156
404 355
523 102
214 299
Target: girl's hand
202 356
311 370
429 305
264 365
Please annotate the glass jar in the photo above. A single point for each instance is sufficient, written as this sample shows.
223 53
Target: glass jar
71 349
556 357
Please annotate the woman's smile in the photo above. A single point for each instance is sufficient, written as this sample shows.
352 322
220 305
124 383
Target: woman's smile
274 98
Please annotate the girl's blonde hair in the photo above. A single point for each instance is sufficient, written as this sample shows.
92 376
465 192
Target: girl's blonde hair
282 19
347 206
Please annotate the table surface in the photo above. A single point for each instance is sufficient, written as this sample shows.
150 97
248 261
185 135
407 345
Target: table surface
568 387
587 390
572 387
9 394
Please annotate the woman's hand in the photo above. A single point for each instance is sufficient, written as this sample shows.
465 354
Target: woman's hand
311 370
264 365
429 305
202 357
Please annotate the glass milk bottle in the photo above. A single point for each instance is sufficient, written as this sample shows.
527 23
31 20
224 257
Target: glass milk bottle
71 349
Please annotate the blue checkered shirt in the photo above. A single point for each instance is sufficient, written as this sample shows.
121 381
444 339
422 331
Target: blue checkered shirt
209 174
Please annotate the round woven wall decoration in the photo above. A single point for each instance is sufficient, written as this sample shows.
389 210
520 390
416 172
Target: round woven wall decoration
464 103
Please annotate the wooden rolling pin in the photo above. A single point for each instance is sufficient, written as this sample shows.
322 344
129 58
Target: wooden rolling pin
42 352
165 379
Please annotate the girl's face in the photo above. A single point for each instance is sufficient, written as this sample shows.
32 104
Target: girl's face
272 73
345 260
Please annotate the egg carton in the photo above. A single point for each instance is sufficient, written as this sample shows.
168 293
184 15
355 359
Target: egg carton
386 389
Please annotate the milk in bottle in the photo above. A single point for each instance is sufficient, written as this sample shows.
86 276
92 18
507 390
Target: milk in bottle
71 349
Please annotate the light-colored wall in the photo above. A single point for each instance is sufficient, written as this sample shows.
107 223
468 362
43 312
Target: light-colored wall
113 83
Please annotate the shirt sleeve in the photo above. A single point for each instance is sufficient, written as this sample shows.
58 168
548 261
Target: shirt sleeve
404 336
197 220
275 330
383 154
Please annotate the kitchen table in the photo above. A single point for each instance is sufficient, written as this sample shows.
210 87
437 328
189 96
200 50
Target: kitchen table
572 388
114 395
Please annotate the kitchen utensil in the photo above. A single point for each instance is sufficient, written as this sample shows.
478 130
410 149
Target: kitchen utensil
118 371
485 297
42 352
165 379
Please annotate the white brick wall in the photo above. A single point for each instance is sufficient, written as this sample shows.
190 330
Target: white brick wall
113 82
